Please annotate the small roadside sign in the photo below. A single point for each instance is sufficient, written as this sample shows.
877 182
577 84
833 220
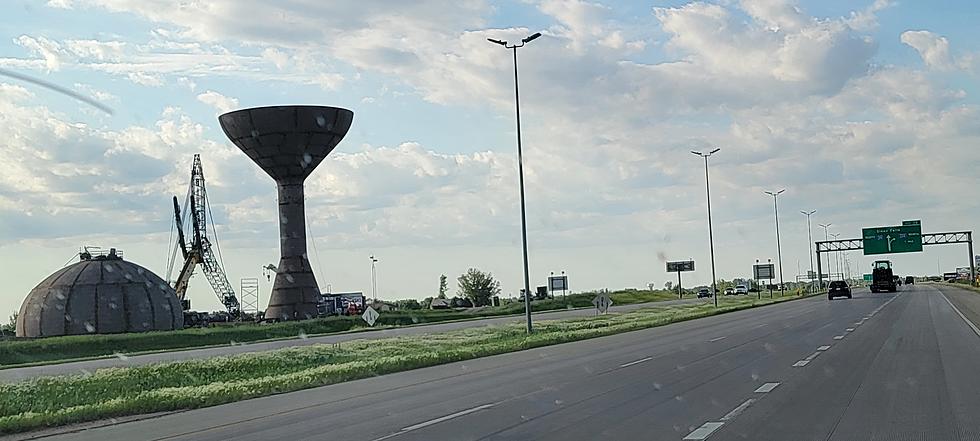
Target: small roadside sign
763 271
683 265
370 316
602 302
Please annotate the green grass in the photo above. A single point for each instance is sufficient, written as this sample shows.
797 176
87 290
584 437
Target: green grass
53 401
46 350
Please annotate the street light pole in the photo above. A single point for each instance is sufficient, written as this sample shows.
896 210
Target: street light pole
809 236
374 279
779 251
711 239
837 256
520 172
826 236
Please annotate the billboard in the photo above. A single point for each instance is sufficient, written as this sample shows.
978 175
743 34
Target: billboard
764 271
558 283
680 266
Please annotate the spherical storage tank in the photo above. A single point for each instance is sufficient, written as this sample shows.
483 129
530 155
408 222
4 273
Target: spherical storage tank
99 294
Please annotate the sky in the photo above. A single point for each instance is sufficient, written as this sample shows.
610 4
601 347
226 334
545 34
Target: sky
865 111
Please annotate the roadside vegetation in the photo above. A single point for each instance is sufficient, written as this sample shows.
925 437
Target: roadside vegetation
22 351
54 401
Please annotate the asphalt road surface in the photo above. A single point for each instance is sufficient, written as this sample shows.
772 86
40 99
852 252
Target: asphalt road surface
81 367
876 367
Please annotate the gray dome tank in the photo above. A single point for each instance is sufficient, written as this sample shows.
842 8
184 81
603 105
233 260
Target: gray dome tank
99 294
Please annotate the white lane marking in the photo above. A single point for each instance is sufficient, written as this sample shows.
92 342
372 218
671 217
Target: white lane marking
801 363
766 388
823 348
972 326
702 432
446 418
838 337
741 408
635 362
717 339
760 325
812 356
849 330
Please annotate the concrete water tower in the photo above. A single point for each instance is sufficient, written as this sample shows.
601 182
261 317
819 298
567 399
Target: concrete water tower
288 142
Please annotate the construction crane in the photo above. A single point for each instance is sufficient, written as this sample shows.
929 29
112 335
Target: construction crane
199 250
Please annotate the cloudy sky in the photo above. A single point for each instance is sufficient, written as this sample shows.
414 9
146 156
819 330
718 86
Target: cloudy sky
866 111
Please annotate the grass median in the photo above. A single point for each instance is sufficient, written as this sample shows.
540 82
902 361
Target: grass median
113 392
74 347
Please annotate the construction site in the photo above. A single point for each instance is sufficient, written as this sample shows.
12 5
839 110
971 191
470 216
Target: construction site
102 293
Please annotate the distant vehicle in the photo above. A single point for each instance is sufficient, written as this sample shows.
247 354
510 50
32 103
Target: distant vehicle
898 280
909 280
741 289
882 278
838 288
704 292
729 291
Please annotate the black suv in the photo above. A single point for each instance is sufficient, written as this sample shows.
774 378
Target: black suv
838 288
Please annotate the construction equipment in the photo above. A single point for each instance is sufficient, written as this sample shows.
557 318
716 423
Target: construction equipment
195 218
882 277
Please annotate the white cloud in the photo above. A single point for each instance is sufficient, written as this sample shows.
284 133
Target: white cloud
220 102
933 49
47 49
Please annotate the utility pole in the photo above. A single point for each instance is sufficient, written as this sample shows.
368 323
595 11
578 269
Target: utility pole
520 171
826 236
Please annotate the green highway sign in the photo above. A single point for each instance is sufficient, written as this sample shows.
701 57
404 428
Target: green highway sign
897 239
912 222
868 277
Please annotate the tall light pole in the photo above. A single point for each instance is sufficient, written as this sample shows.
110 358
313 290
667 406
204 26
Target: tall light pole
779 251
374 279
826 236
836 254
809 236
711 239
520 172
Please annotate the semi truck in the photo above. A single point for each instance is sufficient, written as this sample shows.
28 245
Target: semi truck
882 277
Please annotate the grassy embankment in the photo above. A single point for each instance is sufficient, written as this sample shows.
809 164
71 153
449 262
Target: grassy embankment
53 401
46 350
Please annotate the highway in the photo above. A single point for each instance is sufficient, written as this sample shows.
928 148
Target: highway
875 367
81 367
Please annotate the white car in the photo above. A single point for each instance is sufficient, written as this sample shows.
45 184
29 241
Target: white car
741 289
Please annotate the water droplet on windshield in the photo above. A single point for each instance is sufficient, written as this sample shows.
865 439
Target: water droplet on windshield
321 121
307 158
302 335
89 327
109 268
283 220
255 133
289 278
121 356
113 305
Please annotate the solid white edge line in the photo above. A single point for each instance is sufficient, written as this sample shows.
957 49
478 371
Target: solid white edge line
736 411
446 418
968 322
702 432
766 388
823 348
635 362
718 339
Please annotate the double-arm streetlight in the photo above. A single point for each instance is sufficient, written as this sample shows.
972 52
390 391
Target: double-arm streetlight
520 171
809 236
711 239
837 256
779 251
826 236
